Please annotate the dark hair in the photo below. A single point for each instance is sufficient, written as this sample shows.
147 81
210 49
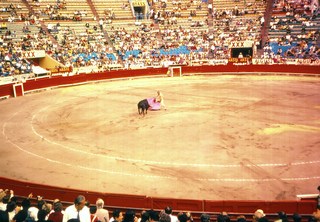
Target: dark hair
319 188
223 218
6 199
116 213
153 215
42 215
241 219
73 220
296 217
26 204
11 206
129 216
205 218
183 217
79 199
57 206
144 216
40 204
283 216
93 209
168 210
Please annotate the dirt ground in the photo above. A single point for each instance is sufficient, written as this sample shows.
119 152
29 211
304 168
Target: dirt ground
221 138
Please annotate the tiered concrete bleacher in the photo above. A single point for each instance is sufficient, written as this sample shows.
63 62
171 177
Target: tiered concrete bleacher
65 10
12 8
289 27
120 8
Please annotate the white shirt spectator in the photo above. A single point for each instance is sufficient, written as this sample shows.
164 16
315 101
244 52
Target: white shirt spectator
71 212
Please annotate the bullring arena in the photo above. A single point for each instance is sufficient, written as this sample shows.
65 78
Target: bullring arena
222 137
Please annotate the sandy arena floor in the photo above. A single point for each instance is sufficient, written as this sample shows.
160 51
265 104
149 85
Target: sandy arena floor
222 137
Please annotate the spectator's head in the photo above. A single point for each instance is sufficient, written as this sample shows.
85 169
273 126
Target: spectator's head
42 215
153 216
11 206
57 206
6 199
80 202
25 204
93 209
183 217
164 217
2 195
117 215
129 216
241 218
296 217
223 217
168 210
40 204
283 216
259 213
144 216
99 203
205 218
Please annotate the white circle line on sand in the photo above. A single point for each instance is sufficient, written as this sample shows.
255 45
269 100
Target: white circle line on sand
151 162
249 180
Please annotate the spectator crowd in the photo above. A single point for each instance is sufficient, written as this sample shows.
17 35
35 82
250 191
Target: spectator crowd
12 210
172 33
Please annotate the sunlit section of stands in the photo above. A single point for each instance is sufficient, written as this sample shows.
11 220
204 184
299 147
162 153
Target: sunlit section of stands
12 9
118 9
76 10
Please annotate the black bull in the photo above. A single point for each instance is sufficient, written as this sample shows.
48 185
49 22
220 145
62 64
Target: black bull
143 106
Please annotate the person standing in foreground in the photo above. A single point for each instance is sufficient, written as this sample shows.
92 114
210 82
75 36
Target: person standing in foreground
102 214
159 98
77 211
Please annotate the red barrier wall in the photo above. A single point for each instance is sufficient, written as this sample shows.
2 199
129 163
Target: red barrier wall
143 202
6 90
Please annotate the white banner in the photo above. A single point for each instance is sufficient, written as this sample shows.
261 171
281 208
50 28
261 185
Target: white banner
33 54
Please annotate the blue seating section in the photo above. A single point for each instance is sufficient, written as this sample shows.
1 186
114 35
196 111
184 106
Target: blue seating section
275 46
175 51
93 55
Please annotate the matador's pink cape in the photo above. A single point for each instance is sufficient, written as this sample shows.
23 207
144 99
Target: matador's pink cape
153 104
